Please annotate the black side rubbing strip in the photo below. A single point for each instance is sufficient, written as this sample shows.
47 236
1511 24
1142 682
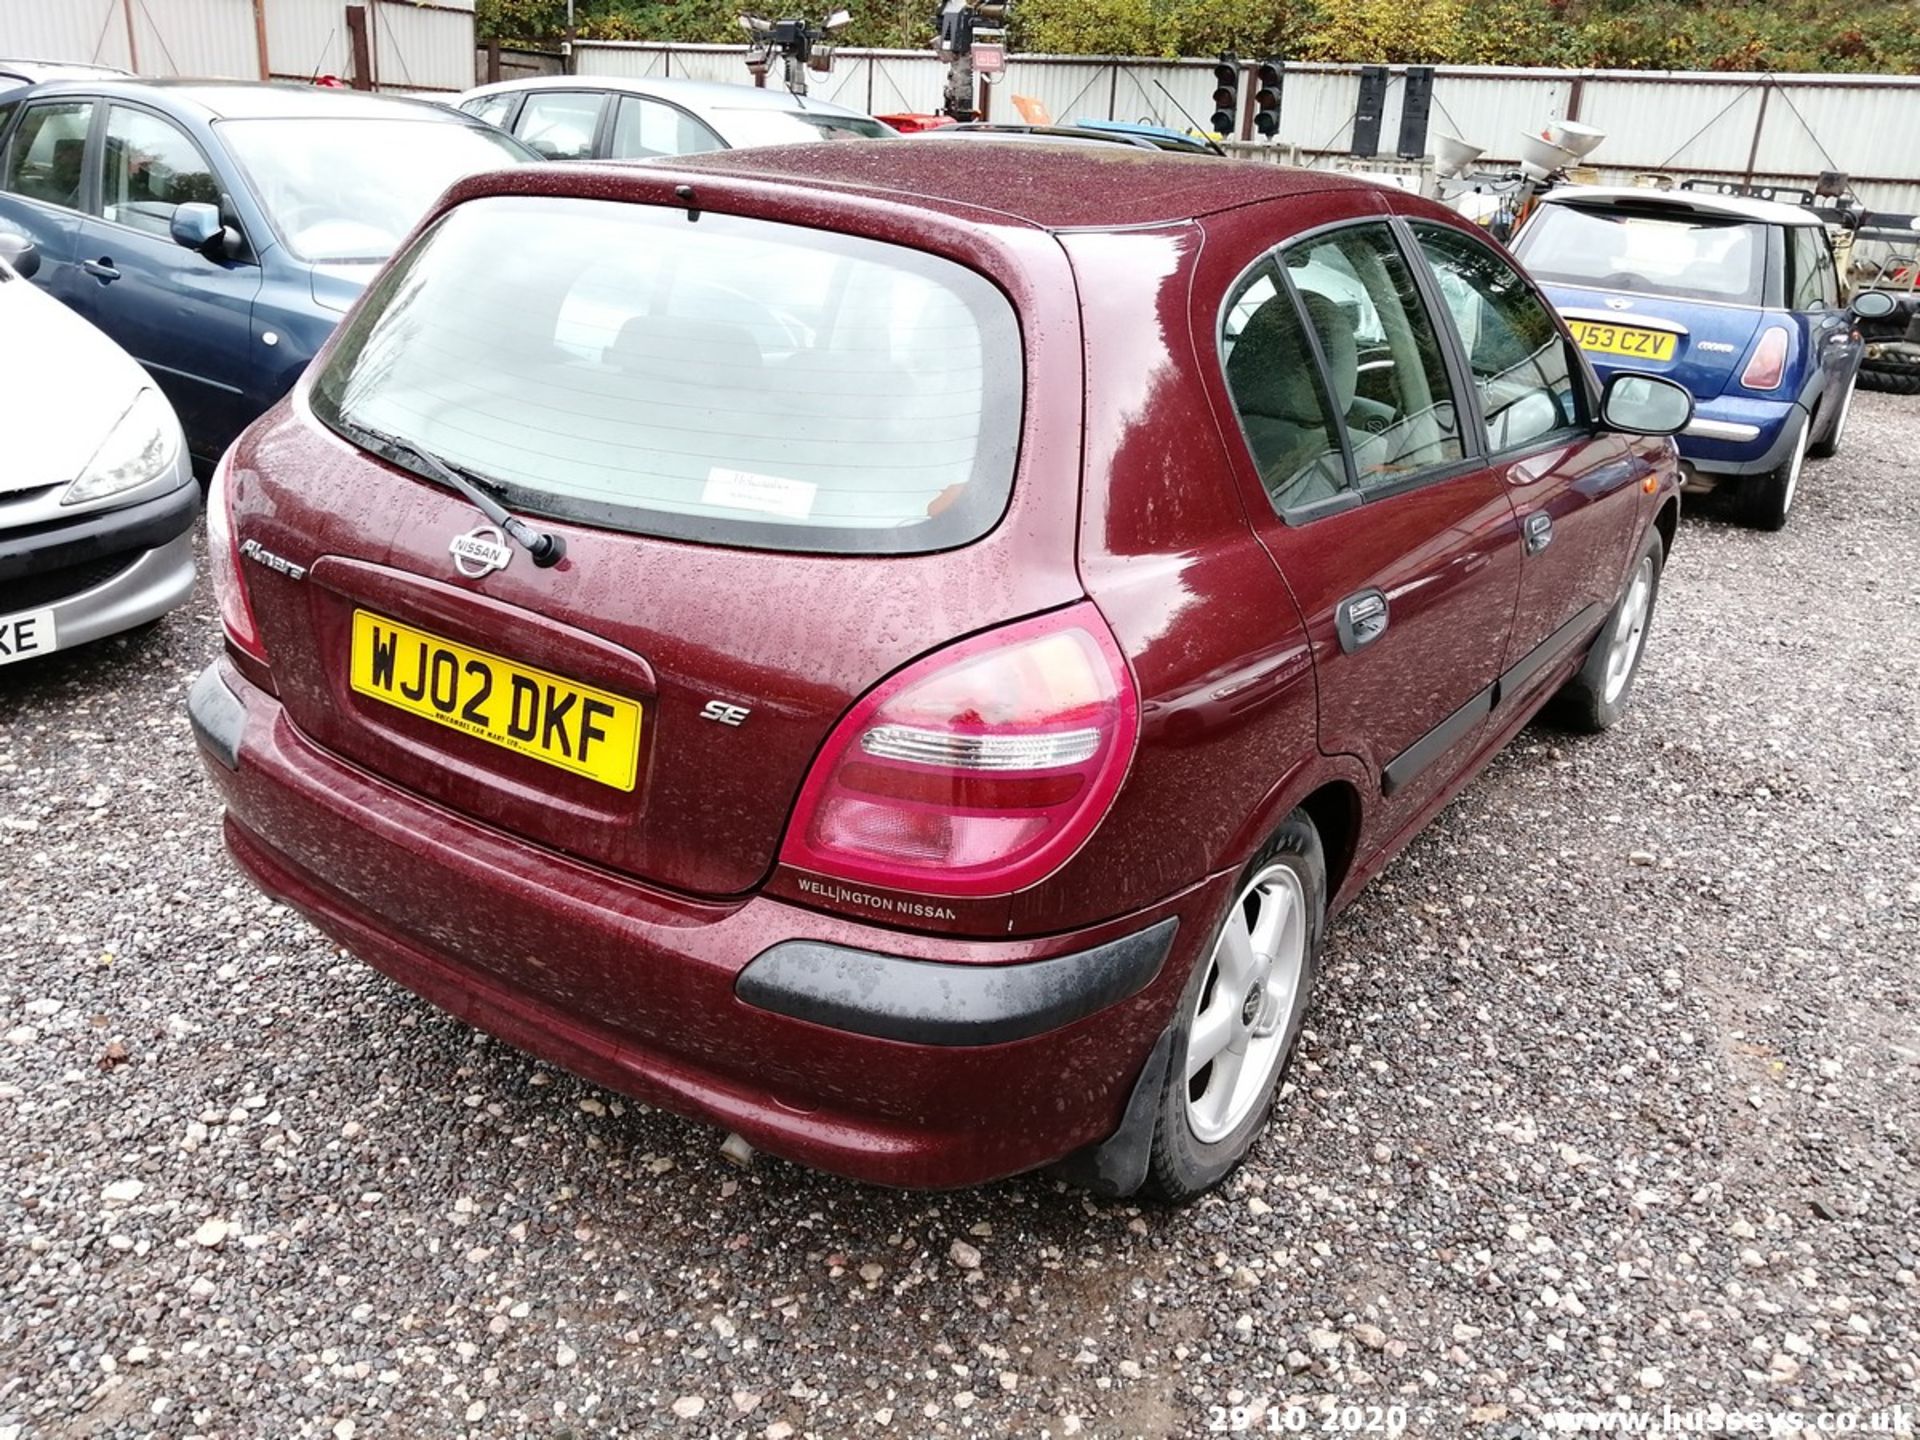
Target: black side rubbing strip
1437 741
927 1002
1548 650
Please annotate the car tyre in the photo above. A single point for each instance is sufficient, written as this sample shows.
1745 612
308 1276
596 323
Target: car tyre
1893 377
1212 1108
1766 500
1828 445
1597 695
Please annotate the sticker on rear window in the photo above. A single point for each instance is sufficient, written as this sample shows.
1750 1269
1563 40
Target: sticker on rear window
767 494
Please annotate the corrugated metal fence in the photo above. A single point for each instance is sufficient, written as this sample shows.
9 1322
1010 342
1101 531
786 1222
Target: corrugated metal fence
1778 129
410 44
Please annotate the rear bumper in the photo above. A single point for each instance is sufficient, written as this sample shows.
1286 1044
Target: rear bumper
1736 436
896 1058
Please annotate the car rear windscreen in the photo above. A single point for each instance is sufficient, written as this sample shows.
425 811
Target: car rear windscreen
723 379
1688 256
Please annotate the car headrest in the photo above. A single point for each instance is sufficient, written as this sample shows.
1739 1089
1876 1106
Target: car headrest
1271 371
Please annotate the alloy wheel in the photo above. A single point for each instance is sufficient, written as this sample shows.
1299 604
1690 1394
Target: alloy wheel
1244 1009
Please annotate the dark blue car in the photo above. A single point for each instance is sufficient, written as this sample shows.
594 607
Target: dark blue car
219 232
1735 298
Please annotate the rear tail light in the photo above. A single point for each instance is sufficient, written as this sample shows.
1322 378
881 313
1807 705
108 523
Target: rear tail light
1768 367
978 770
223 560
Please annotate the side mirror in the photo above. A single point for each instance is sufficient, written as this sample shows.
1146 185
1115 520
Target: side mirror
196 225
1645 405
21 253
1873 305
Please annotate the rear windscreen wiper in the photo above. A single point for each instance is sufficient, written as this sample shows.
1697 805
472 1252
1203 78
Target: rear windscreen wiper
543 546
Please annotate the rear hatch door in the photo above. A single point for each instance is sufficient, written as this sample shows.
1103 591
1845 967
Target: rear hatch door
827 443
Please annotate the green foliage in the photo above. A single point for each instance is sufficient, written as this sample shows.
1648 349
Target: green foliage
1786 35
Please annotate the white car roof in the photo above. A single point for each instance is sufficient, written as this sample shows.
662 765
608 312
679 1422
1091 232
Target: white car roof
699 96
1699 202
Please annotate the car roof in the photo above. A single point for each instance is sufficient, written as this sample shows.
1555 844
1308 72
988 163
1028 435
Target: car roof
1049 184
694 94
254 100
1698 202
53 69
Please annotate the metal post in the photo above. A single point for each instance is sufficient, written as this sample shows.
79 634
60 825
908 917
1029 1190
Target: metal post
260 37
566 50
1759 123
358 48
133 43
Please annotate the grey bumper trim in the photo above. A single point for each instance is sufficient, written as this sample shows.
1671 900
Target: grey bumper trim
217 716
926 1002
1722 430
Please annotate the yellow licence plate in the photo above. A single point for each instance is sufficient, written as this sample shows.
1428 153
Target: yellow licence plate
516 707
1622 340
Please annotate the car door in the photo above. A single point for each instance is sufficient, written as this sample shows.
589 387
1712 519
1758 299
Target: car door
1813 295
42 164
644 128
1574 487
1397 542
184 314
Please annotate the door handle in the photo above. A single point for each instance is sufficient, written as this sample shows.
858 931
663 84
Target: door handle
1537 529
101 270
1361 619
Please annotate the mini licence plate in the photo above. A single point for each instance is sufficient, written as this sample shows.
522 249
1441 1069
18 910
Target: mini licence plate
1622 340
561 722
27 634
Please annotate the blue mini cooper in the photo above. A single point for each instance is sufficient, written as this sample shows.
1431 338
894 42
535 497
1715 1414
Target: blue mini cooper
1737 299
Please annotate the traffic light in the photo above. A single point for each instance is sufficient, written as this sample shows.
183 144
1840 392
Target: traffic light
1226 95
1266 96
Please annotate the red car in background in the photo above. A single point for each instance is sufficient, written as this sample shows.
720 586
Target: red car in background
901 660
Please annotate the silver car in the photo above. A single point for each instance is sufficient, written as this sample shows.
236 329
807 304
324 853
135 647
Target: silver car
598 117
97 499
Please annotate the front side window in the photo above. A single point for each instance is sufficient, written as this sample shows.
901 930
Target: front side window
645 128
560 124
1647 251
1383 359
45 156
1522 366
734 381
148 170
1280 396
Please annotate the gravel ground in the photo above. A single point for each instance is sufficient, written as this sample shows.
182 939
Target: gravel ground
1608 1098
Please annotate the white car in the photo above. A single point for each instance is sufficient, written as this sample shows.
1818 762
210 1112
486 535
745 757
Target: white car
97 496
599 117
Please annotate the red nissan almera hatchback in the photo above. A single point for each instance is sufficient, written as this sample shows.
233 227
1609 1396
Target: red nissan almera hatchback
900 658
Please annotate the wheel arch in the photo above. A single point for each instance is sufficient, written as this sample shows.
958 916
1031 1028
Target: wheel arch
1667 522
1331 789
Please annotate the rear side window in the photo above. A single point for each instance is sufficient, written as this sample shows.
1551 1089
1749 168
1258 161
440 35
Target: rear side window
645 128
1382 354
1279 395
560 124
1813 283
1687 256
45 155
730 380
493 109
